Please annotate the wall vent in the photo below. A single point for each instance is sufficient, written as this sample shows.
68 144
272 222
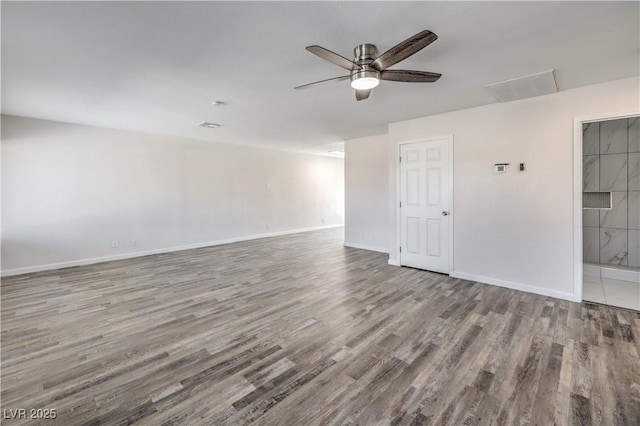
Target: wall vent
596 200
542 83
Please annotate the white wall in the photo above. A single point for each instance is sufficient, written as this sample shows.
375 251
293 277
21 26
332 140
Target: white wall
367 193
69 190
514 230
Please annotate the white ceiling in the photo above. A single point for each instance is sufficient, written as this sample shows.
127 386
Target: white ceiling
155 66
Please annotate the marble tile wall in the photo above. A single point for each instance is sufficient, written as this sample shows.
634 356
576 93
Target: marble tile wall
634 134
634 171
617 216
591 139
613 137
591 244
634 247
613 246
633 216
613 172
611 162
591 173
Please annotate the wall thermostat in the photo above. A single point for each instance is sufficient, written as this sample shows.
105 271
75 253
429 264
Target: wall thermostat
500 168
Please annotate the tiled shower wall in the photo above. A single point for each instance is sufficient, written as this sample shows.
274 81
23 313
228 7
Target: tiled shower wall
611 162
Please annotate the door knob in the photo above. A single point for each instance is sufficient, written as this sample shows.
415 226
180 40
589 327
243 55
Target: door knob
445 213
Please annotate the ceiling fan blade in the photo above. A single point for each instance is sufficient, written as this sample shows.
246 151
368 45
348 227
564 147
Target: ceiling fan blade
361 95
333 57
318 83
404 49
410 76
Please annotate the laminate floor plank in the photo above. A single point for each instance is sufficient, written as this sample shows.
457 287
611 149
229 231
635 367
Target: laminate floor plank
299 330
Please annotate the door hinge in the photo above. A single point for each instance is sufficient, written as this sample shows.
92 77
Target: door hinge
401 159
400 203
400 249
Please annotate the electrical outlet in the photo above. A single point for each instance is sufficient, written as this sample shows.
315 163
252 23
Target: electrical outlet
268 226
134 243
115 244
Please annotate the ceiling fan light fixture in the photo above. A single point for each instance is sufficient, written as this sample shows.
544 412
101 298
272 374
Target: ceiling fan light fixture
365 83
367 68
365 79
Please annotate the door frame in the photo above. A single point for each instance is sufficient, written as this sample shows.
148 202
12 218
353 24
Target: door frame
578 262
452 211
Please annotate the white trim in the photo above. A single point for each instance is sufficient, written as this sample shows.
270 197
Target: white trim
605 117
611 273
396 250
452 207
516 286
577 193
90 261
366 247
393 262
620 274
577 209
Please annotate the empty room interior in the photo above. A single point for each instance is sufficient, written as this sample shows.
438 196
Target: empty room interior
320 213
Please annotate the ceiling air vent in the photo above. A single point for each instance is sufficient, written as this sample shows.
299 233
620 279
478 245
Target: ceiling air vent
542 83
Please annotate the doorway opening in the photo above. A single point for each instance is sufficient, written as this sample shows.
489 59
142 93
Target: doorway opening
610 210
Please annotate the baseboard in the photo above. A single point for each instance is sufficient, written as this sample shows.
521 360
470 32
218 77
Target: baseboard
366 247
132 255
393 262
516 286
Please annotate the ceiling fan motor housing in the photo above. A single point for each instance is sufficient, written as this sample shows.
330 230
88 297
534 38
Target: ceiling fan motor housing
364 54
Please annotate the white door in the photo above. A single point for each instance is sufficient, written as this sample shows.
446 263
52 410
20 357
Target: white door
424 205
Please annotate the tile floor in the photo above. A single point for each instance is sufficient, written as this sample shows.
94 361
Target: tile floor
623 294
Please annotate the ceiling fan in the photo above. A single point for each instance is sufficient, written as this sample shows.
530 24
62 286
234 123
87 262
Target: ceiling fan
367 68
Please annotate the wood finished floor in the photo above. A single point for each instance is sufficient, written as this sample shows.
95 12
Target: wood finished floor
298 330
